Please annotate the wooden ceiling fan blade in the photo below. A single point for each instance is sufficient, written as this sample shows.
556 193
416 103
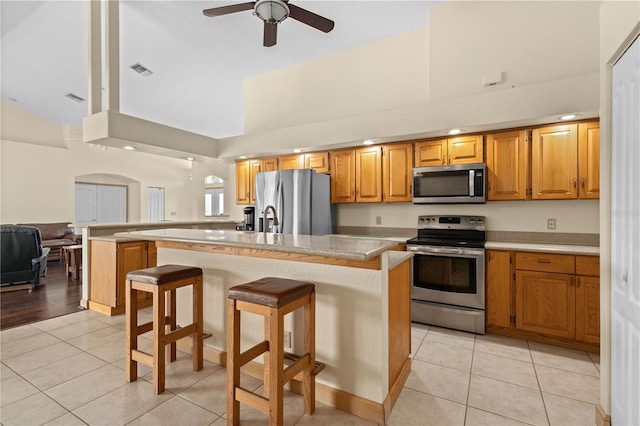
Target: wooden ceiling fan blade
316 21
225 10
270 33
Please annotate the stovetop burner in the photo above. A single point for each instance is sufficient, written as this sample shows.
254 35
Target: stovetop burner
450 231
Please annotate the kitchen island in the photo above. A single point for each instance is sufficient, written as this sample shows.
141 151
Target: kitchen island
363 330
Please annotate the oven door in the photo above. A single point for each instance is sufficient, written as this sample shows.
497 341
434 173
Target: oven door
450 275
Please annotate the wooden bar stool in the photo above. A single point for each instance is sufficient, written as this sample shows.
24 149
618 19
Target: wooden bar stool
73 260
272 298
159 281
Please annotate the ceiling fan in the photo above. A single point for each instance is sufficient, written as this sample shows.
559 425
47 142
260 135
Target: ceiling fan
272 12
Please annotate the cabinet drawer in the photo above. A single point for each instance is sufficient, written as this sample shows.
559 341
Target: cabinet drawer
545 262
588 265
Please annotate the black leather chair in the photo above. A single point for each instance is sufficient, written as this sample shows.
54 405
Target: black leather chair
22 257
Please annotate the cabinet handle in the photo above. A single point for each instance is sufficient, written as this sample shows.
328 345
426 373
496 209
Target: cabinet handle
443 161
488 185
582 182
544 261
578 283
575 182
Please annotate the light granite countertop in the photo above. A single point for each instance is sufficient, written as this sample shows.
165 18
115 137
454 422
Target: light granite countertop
544 247
319 245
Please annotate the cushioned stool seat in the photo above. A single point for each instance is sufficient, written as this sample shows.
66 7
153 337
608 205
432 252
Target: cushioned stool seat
272 298
162 282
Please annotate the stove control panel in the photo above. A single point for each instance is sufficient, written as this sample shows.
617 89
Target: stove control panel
451 222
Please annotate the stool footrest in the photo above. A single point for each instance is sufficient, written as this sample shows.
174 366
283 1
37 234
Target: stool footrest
290 358
253 352
256 401
142 357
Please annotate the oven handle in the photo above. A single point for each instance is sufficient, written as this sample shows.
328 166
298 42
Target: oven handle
445 250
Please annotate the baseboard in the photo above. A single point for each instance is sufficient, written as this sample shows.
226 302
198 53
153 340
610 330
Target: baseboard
602 419
345 401
396 388
542 338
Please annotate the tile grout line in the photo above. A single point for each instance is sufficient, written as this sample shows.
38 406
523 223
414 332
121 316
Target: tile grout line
535 370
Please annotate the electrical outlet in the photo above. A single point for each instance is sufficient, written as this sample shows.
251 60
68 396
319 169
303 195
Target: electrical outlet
378 220
551 224
287 339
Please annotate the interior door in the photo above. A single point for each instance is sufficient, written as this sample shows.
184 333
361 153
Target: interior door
625 239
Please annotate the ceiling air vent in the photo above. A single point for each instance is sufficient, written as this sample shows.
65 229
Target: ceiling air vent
74 97
141 69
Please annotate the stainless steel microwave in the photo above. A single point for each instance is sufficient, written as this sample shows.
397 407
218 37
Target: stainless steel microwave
455 184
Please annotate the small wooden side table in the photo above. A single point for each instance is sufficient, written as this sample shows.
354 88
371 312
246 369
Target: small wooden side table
73 256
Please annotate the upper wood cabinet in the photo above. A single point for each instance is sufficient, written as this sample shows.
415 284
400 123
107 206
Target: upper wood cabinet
397 163
291 162
356 175
318 161
589 159
369 175
269 164
246 180
565 162
458 150
507 165
343 176
554 162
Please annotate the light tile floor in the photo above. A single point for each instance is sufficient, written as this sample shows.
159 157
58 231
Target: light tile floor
70 371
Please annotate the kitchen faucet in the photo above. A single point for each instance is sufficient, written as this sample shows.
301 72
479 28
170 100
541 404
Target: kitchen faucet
264 218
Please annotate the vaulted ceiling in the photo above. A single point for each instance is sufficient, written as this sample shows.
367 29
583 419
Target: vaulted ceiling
198 63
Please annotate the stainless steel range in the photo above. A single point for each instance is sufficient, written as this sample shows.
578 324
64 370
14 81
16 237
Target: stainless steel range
448 272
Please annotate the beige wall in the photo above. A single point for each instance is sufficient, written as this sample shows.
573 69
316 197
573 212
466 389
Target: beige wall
619 24
580 216
37 180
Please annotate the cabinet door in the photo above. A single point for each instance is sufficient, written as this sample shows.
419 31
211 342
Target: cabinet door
397 163
255 167
498 287
318 161
369 175
554 162
269 164
131 256
430 153
243 182
546 303
103 277
291 162
343 176
588 309
507 166
465 149
589 159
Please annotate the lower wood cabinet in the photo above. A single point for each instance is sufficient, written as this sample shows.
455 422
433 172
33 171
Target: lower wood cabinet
110 261
553 298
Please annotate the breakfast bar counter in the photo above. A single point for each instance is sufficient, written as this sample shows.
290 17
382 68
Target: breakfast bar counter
363 330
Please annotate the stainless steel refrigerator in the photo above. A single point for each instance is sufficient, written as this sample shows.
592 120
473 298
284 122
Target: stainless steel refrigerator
301 199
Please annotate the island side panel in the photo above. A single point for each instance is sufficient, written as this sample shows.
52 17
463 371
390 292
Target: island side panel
349 327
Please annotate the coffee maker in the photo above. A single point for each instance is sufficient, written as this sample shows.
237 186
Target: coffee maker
249 219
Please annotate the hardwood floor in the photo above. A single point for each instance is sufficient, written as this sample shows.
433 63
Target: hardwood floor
55 295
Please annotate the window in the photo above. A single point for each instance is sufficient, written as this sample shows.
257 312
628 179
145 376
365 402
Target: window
213 196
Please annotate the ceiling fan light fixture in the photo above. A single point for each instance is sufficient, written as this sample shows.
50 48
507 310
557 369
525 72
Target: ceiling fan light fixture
271 10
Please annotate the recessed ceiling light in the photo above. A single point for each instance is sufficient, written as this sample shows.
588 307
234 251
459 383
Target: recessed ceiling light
367 142
243 157
297 151
141 69
454 131
189 158
567 117
74 97
128 148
